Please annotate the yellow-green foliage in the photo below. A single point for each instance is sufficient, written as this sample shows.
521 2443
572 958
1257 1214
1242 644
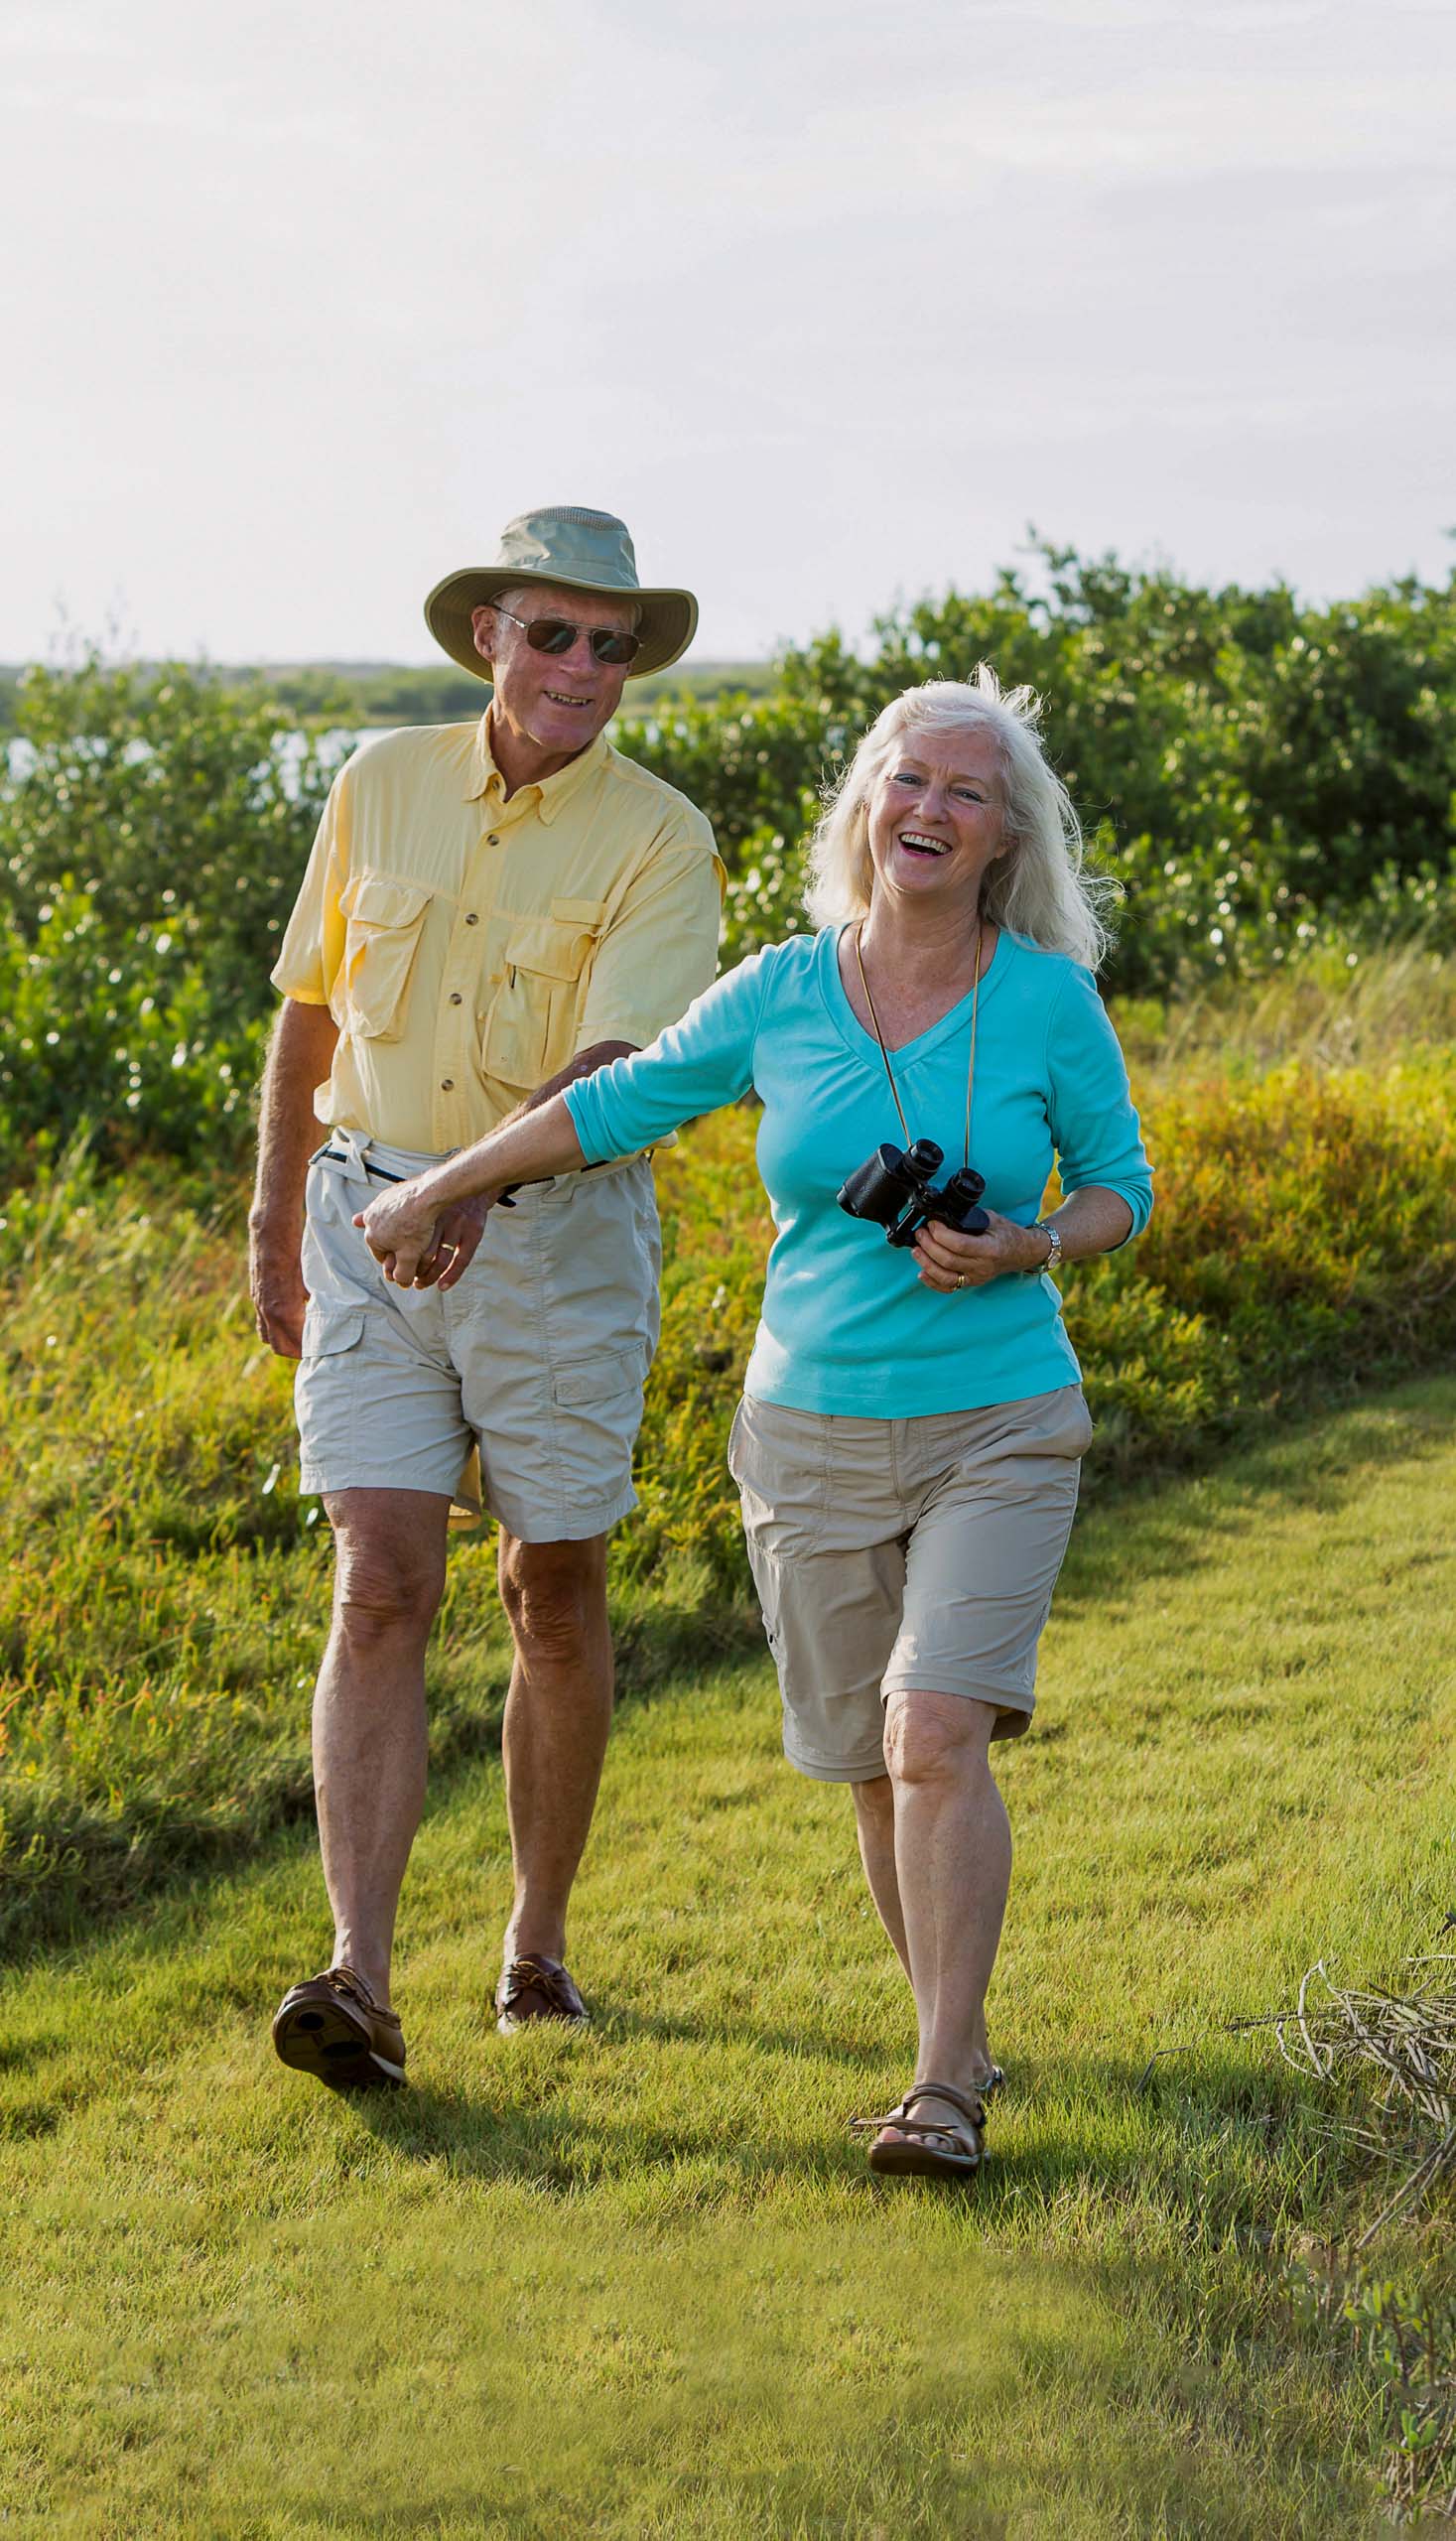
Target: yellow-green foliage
163 1591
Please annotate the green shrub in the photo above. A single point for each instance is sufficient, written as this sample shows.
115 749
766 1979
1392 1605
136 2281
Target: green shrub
152 830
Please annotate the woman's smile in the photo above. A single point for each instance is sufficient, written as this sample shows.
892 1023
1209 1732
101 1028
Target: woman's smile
937 811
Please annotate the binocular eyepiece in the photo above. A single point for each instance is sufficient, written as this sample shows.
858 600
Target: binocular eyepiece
896 1191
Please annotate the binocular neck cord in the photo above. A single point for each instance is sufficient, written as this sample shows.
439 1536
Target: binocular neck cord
885 1054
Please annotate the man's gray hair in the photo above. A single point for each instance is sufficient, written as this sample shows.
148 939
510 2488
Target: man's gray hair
1037 887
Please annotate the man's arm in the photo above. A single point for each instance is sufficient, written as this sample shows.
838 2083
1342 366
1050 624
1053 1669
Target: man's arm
299 1056
585 1063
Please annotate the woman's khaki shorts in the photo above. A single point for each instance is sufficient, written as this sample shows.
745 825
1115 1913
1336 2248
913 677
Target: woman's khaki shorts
904 1556
537 1359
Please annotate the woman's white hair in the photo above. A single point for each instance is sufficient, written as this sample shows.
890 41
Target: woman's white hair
1037 887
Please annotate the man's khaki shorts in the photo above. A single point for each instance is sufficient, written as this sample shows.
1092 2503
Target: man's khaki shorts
537 1359
904 1556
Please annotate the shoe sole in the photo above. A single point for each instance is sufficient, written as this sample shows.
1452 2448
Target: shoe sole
509 2027
325 2043
915 2161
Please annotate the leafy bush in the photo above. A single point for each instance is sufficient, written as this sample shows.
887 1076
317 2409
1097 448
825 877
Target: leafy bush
1265 780
153 831
1253 771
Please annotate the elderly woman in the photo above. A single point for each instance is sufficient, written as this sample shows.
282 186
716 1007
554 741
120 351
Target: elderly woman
908 1444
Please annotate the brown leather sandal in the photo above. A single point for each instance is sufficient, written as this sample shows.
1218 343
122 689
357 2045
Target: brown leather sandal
928 2148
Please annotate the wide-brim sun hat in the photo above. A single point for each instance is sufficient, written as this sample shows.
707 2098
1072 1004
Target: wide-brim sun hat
574 551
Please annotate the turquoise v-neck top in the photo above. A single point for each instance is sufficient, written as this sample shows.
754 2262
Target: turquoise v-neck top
846 1325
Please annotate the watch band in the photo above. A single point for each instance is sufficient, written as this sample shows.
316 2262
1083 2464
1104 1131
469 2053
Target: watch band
1053 1260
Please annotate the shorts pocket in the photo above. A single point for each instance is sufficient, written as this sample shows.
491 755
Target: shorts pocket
611 1373
530 1030
384 920
779 1460
330 1329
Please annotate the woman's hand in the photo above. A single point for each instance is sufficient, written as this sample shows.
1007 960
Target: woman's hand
947 1261
420 1243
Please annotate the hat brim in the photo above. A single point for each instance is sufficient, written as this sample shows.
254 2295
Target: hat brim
667 622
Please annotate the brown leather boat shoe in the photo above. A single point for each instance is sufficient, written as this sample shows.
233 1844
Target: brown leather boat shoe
537 1989
331 2027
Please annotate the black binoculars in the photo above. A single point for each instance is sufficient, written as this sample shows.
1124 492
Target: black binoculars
894 1190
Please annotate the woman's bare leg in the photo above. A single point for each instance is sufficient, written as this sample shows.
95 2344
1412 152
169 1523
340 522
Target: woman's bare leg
953 1870
875 1824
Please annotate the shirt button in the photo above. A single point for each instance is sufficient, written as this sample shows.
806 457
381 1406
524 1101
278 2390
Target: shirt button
494 838
455 997
471 919
447 1085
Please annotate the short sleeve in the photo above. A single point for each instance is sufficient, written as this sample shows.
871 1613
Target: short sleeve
660 950
313 943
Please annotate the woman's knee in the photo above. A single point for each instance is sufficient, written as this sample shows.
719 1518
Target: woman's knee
931 1738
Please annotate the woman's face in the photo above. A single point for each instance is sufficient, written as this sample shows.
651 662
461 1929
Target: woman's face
937 813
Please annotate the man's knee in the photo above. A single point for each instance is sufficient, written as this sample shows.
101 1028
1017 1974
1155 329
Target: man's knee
554 1595
385 1584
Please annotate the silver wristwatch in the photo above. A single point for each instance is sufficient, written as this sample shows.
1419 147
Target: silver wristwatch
1053 1260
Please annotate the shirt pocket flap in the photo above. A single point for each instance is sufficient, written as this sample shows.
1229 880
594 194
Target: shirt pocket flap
377 899
555 947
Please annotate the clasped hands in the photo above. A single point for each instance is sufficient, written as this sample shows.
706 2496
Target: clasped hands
420 1243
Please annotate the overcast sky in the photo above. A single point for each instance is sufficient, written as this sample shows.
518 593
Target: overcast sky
829 301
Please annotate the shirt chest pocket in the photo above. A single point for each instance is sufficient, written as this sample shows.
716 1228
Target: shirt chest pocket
529 1028
384 921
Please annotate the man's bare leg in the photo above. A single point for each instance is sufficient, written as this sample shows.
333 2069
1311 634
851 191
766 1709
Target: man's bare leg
557 1717
369 1741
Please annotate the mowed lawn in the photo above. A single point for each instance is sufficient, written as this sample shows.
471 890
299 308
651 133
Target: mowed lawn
641 2284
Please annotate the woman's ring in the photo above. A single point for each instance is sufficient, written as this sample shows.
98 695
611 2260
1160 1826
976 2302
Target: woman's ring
959 1278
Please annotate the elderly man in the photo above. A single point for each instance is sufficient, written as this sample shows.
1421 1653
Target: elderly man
490 910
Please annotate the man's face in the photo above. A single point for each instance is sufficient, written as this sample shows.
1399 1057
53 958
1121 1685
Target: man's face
555 703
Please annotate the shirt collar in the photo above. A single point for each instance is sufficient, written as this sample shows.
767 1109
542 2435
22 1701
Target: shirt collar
551 794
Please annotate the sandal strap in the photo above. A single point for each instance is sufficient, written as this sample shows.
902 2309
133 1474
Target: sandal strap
973 2110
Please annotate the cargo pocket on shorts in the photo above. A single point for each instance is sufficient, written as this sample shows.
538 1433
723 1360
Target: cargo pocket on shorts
323 1391
601 1379
330 1329
530 1030
385 922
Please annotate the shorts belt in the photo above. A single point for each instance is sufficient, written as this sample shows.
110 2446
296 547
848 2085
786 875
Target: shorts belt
373 1157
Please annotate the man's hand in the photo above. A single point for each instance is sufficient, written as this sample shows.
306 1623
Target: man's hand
276 1286
458 1234
418 1244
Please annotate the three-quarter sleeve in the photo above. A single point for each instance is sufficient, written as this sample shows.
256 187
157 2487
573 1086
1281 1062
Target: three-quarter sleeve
697 1065
313 943
1095 1128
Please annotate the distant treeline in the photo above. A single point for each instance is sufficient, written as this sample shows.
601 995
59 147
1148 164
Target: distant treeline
360 696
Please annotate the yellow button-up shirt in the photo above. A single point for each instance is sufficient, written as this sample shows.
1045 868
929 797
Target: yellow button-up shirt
468 947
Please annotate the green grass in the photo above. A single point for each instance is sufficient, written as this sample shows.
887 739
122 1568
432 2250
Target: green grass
641 2284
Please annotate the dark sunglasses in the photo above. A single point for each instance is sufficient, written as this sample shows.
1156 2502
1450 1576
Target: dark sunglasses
558 635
